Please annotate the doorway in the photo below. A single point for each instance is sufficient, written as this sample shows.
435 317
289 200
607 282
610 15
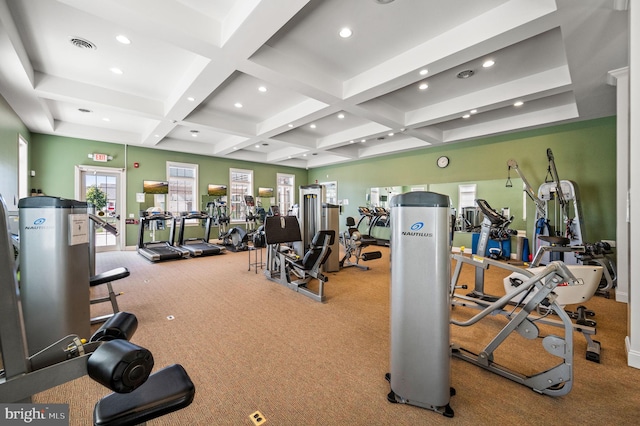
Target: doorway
106 185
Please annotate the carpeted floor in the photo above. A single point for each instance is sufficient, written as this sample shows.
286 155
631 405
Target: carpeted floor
250 344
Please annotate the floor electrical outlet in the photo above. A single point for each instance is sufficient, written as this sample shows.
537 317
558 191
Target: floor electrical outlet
257 418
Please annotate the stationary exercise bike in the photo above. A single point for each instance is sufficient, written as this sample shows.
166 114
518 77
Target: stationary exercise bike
354 243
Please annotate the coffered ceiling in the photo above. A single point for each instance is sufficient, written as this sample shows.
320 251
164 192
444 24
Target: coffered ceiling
272 81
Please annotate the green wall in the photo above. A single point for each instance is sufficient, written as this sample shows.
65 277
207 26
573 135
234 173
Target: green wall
10 127
54 159
584 152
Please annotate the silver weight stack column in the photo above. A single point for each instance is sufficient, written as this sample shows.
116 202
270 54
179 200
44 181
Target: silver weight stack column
420 301
54 269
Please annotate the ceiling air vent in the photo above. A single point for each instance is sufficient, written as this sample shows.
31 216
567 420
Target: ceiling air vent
82 43
465 74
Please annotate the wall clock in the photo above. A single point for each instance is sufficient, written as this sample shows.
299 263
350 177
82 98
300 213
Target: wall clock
443 162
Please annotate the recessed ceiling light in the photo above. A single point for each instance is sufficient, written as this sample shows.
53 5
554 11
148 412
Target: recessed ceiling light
235 148
423 86
518 103
262 89
123 39
473 111
466 116
424 71
350 141
257 146
363 140
191 99
156 136
488 63
313 126
237 105
194 133
106 119
116 70
340 116
346 32
390 134
304 155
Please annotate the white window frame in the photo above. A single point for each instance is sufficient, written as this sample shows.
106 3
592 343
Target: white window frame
466 196
236 191
282 188
195 206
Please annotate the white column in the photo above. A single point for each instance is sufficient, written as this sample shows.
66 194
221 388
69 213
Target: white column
633 338
620 79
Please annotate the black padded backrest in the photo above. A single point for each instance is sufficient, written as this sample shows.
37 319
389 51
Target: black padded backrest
318 239
281 229
351 222
495 217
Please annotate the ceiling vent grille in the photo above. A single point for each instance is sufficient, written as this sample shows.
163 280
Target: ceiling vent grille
82 43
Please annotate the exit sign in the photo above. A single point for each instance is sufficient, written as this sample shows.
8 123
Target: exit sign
101 157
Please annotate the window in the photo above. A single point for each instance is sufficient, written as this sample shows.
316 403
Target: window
183 187
286 184
241 185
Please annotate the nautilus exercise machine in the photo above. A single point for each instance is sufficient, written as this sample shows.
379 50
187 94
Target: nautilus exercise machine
108 357
420 302
283 262
198 246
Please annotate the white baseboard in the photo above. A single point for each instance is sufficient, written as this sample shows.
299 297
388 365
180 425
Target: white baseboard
633 357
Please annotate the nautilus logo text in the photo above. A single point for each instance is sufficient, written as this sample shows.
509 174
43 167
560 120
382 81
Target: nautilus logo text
414 231
39 224
417 226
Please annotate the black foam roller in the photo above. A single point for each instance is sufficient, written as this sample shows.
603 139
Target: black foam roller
120 365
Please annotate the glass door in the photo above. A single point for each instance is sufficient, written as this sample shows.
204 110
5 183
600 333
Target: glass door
102 189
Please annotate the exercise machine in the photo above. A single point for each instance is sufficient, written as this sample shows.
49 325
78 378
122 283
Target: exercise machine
554 381
558 220
198 246
282 262
353 244
495 227
108 357
218 212
375 223
314 215
420 307
106 277
158 251
251 217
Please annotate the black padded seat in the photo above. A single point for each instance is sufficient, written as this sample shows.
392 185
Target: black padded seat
165 391
108 276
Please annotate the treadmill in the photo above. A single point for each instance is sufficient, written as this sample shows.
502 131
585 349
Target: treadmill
158 251
198 246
